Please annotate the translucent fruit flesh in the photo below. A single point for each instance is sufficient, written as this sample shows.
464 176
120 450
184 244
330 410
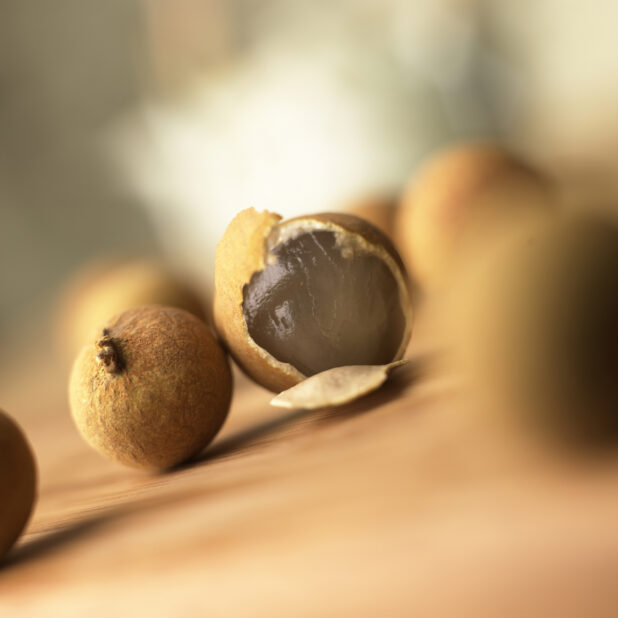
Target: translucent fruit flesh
319 306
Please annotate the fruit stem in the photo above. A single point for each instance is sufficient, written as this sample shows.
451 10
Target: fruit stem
109 354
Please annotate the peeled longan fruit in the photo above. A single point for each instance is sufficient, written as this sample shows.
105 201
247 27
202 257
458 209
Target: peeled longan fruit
153 389
460 197
17 482
537 330
295 298
104 289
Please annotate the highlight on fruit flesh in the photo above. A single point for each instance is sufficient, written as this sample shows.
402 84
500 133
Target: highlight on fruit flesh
17 482
463 196
153 389
298 297
106 287
536 330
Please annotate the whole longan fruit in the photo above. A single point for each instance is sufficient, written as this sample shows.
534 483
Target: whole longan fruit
153 389
105 288
537 330
17 482
461 196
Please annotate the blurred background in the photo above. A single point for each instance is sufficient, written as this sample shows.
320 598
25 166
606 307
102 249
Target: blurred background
143 126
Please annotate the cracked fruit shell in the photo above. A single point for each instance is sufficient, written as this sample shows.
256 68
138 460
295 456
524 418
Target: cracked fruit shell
295 298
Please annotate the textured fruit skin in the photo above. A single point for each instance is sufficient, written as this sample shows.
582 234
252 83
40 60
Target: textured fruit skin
240 252
106 288
17 482
165 398
243 251
537 330
462 191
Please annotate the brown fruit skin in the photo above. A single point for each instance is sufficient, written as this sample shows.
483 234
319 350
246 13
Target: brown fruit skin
537 330
17 482
165 394
105 288
459 197
242 252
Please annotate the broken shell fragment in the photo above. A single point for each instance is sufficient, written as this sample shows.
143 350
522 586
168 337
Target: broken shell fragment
335 387
298 297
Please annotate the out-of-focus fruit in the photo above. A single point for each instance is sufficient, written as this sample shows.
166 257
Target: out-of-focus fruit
459 197
17 482
536 329
105 288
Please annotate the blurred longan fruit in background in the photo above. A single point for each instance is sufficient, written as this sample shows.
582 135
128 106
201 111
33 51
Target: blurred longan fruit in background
380 209
104 288
461 196
536 330
17 482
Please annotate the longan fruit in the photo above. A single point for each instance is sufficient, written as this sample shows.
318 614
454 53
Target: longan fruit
295 298
459 197
379 209
536 329
153 389
17 482
103 289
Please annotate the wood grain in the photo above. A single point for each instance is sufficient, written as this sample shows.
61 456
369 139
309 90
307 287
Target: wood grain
396 505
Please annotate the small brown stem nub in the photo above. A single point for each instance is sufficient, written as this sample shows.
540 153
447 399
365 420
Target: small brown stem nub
109 354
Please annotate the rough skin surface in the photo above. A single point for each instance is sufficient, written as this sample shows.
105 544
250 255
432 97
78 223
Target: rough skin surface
17 482
162 399
240 253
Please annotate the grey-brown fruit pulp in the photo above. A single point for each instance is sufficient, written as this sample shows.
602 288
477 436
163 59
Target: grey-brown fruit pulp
319 307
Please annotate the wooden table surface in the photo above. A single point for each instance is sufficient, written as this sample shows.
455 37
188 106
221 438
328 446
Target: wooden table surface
396 505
